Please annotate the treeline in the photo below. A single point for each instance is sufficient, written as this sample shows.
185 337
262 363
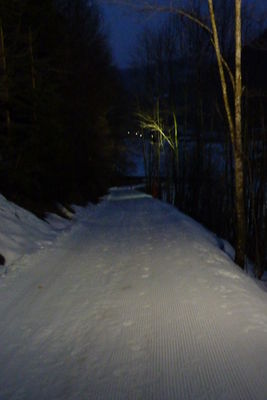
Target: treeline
58 102
185 137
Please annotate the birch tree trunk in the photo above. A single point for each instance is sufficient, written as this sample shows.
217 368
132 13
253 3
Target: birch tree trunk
238 145
234 124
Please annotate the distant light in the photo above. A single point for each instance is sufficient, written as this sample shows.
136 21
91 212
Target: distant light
141 135
136 133
129 132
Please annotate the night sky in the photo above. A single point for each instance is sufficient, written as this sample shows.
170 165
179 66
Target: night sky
123 27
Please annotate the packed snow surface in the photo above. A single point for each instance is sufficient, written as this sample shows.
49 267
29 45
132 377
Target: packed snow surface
135 301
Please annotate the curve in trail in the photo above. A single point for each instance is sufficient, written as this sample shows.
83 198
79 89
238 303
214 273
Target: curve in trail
137 302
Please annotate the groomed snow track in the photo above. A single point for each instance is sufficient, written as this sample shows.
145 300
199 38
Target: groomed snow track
135 302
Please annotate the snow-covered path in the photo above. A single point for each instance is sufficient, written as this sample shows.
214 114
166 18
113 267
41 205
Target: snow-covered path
137 302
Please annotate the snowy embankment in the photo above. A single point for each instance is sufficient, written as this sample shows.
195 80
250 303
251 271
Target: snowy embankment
136 301
22 233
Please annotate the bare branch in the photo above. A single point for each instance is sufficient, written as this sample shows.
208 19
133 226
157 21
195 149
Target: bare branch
147 7
228 69
148 122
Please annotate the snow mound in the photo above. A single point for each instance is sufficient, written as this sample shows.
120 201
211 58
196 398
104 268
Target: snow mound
21 232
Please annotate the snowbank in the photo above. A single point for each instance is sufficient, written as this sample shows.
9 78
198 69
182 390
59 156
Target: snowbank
21 232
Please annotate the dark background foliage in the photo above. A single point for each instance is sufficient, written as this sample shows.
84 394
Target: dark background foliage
59 95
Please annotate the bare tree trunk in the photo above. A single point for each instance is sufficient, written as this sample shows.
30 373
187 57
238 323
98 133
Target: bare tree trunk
235 126
240 210
219 58
238 145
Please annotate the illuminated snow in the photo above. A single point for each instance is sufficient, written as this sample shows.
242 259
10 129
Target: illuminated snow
134 301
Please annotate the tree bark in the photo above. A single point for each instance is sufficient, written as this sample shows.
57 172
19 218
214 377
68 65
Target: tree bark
235 125
238 145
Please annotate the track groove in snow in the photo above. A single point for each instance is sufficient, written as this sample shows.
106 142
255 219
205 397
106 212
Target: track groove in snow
137 302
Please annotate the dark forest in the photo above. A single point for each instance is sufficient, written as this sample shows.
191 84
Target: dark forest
58 96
